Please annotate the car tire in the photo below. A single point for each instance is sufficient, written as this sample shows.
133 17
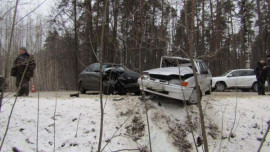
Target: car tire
255 87
82 90
193 99
220 86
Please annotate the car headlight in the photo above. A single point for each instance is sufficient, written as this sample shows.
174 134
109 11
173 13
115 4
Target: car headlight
175 82
178 82
145 76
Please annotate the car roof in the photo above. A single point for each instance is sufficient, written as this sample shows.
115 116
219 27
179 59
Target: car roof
107 63
176 57
240 69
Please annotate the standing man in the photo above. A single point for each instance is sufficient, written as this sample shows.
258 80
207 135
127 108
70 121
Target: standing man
23 69
268 69
261 75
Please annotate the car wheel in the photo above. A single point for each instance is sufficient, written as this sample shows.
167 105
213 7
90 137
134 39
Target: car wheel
220 86
82 90
255 87
193 99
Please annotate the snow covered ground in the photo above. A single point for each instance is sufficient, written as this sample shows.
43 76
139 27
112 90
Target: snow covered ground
125 127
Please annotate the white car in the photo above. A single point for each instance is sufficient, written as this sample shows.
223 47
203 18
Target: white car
244 79
174 79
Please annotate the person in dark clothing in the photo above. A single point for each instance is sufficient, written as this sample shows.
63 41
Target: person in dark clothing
268 69
23 69
261 75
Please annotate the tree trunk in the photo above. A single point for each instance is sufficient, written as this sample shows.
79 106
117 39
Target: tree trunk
203 26
100 73
89 32
261 52
114 53
8 54
76 50
190 30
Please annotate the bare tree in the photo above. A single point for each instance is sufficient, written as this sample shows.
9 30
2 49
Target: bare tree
264 137
100 78
190 30
8 53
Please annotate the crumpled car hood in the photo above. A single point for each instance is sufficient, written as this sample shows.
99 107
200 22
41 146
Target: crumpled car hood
170 71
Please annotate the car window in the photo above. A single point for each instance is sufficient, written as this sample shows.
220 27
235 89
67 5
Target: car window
250 73
89 68
238 73
106 66
202 67
96 68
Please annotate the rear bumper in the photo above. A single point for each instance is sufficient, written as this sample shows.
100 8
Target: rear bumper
166 90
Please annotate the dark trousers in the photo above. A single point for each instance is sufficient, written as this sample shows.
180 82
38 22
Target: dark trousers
24 87
261 87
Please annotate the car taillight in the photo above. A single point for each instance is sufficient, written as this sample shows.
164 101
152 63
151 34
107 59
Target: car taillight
184 84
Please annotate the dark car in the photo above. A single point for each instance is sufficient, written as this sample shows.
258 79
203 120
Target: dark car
116 79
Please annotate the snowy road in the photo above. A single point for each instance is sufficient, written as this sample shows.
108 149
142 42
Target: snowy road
125 124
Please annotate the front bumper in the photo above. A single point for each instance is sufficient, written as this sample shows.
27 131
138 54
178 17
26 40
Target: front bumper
166 90
132 87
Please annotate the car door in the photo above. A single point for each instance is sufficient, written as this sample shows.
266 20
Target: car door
85 77
208 76
231 78
94 78
240 78
203 76
247 79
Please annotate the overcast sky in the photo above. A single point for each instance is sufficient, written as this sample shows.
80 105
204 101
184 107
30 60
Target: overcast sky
27 6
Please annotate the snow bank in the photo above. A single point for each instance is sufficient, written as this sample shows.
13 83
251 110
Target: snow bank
125 124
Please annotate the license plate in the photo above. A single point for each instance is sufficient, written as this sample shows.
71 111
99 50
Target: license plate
157 87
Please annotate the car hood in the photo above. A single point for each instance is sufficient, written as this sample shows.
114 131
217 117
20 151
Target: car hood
170 71
128 77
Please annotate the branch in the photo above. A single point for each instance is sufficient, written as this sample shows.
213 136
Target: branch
264 137
8 54
37 124
54 126
31 11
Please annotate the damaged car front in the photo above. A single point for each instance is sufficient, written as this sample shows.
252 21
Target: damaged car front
116 79
174 79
